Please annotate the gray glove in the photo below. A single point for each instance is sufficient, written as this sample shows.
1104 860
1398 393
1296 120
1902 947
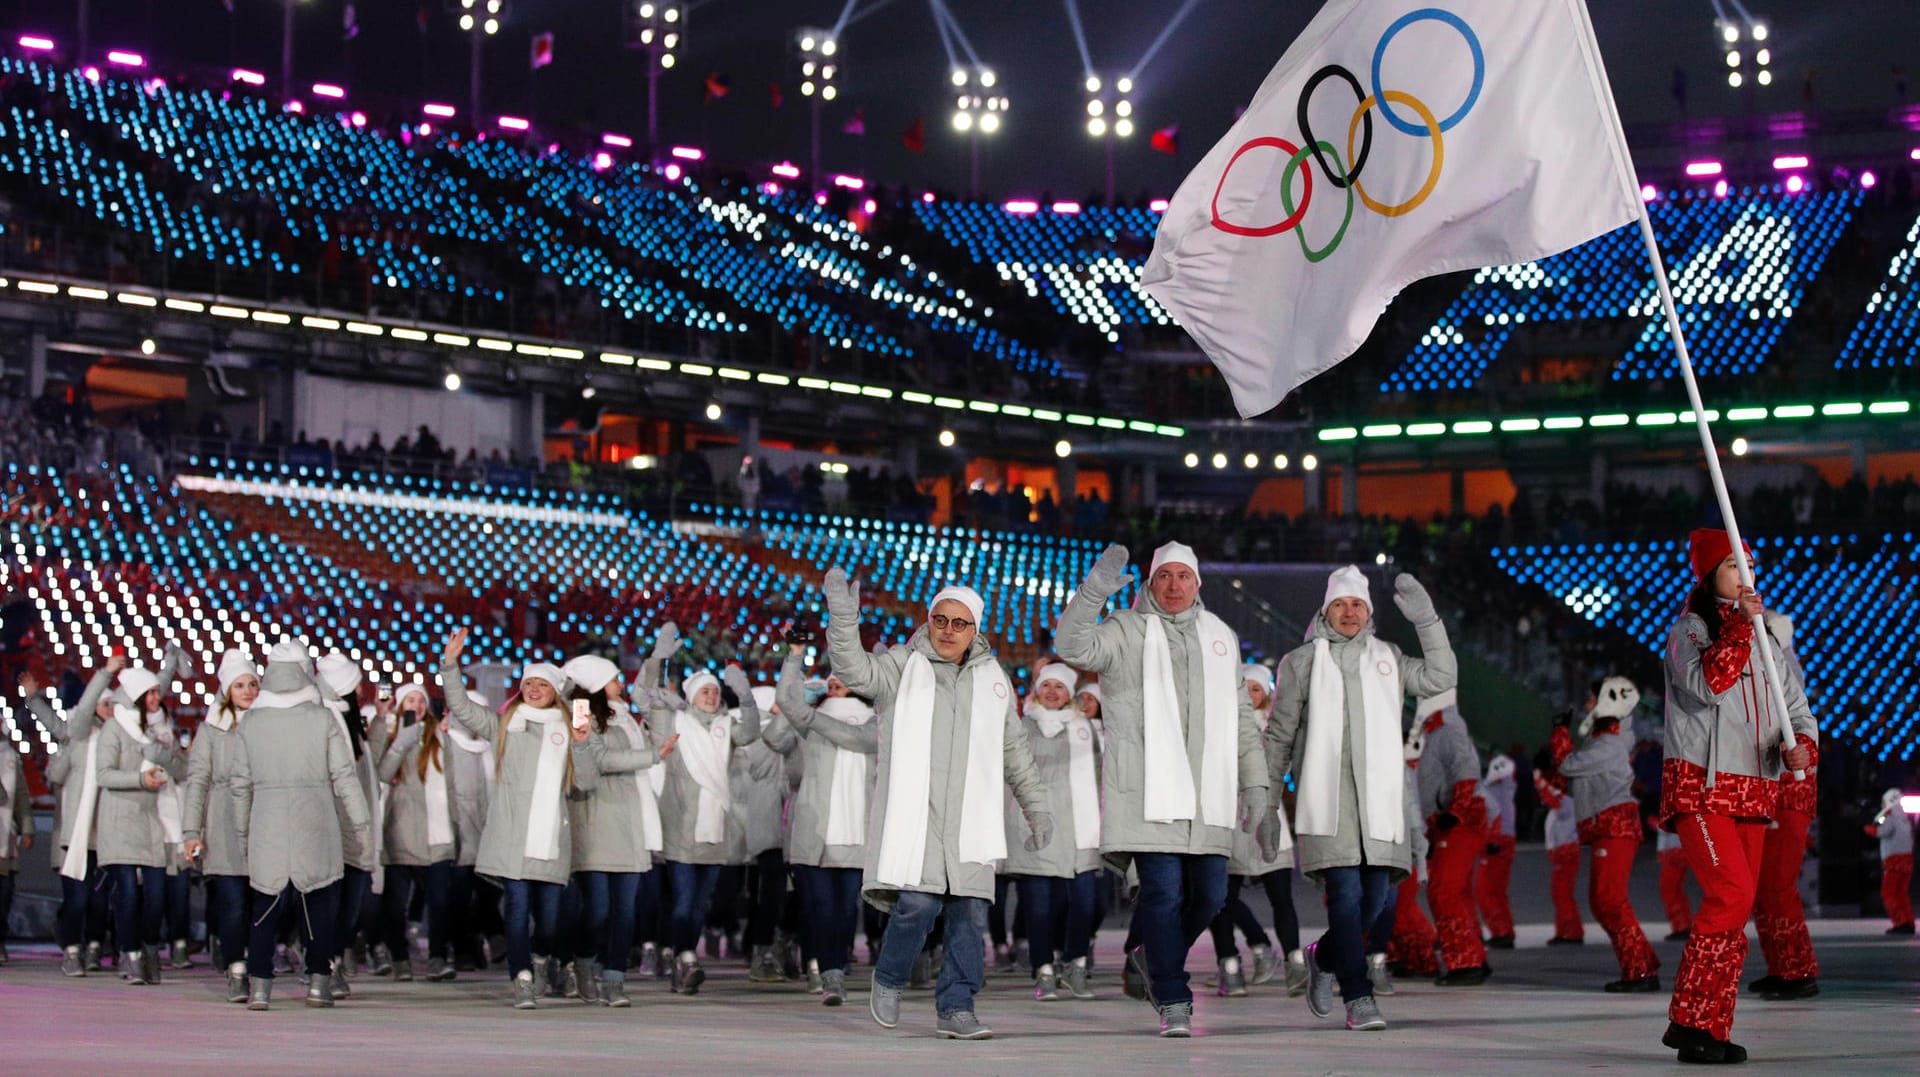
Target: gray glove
736 681
667 642
1041 825
1267 835
1109 574
1254 805
1414 602
842 595
408 737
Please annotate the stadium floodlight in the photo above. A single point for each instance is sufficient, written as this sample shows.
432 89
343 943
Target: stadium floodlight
1104 100
1754 64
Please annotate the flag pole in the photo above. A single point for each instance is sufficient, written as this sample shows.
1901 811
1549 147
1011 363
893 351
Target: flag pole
1775 696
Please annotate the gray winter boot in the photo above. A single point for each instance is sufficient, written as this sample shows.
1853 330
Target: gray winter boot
133 969
94 957
150 963
613 989
648 965
237 982
439 969
1233 982
765 968
526 992
403 969
816 982
542 982
71 963
338 987
1176 1020
571 980
177 955
583 972
1265 964
687 974
1046 984
259 993
1077 979
320 991
1319 986
1381 976
833 987
884 1003
380 959
1296 974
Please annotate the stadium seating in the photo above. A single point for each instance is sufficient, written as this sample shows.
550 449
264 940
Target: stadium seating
1823 582
1739 267
1888 333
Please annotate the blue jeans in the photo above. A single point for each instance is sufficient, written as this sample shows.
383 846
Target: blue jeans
83 908
139 903
532 915
693 886
1180 894
646 906
228 895
608 898
355 887
964 969
178 892
831 900
1044 901
1355 898
316 915
437 881
1380 928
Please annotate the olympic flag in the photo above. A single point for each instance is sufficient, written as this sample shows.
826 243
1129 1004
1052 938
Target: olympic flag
1394 141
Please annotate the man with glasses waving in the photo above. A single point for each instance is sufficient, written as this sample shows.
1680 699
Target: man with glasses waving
951 745
1184 761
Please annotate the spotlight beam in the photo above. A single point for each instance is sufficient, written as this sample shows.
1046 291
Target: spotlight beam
946 39
1079 36
870 9
1172 25
959 35
845 14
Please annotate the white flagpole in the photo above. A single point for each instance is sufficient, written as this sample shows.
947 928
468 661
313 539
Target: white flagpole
1774 693
1578 10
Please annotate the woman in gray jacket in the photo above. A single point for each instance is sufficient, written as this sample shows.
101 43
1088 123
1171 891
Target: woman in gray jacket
420 836
1337 727
82 920
212 836
293 764
1057 883
616 829
135 761
527 846
827 818
697 826
948 742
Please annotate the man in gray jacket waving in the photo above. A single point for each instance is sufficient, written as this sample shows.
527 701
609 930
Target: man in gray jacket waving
1184 761
293 761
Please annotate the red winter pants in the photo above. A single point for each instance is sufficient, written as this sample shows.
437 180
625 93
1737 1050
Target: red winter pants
1412 944
1896 887
1777 914
1490 885
1607 876
1673 890
1725 856
1566 911
1450 895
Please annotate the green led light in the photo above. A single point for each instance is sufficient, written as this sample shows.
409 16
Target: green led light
1746 415
1426 430
1614 419
982 405
1080 420
1473 426
914 396
1657 418
1140 427
1110 424
1793 411
1518 426
1713 416
1565 422
1889 407
808 383
1381 430
1843 409
1046 416
1171 431
1339 433
1021 410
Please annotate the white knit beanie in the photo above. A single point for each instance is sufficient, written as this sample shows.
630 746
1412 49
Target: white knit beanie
692 685
1174 553
341 675
1058 672
966 596
234 665
1348 582
1255 673
136 682
591 672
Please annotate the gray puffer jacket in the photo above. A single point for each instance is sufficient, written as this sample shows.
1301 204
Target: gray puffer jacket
294 763
1114 649
1054 758
878 678
209 810
1286 739
407 841
824 739
607 832
72 733
128 823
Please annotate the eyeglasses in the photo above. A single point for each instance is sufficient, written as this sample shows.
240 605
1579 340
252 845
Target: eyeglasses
942 622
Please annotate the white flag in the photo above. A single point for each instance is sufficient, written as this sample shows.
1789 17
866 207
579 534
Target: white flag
1395 140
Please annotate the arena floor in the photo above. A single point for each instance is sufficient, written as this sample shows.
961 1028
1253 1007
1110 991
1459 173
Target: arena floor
1541 1013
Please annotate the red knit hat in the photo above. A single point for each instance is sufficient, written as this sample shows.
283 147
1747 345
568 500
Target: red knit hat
1707 547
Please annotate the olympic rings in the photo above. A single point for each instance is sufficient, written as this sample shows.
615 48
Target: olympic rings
1326 156
1306 126
1433 171
1286 199
1473 43
1293 216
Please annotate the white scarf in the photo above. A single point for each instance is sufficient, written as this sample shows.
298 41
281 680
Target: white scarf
651 834
80 836
1169 773
1382 815
166 800
705 751
467 742
1085 790
903 832
222 716
543 813
847 795
439 813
